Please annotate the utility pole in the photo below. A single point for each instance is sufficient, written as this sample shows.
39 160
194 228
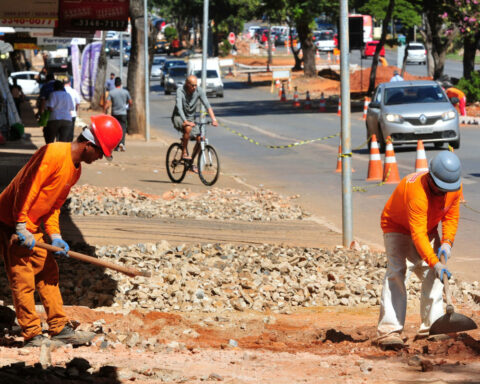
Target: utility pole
121 56
347 222
204 55
147 83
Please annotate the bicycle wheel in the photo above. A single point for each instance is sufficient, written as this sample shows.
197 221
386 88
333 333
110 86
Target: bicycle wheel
176 168
208 166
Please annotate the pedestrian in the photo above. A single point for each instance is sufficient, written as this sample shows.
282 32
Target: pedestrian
42 76
409 222
59 124
45 91
110 83
31 204
17 94
120 100
396 77
76 103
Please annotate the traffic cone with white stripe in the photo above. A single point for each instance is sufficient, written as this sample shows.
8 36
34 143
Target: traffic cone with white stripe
277 84
308 103
375 162
365 107
421 164
318 54
329 58
296 102
283 96
390 169
323 104
339 110
339 160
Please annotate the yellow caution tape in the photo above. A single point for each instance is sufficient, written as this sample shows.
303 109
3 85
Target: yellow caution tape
296 144
470 208
364 189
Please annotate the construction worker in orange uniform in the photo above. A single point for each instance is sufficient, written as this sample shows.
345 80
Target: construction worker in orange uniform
34 197
409 222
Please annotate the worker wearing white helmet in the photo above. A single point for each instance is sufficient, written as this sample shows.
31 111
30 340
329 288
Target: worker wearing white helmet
409 221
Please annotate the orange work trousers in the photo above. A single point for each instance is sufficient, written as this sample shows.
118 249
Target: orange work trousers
28 270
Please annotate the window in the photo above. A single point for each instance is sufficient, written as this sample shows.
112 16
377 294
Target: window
414 95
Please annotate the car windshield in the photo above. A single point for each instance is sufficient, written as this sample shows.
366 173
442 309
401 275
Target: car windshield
211 74
414 95
158 60
169 64
177 72
323 36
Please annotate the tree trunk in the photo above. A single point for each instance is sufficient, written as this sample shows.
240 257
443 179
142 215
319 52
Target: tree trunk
469 51
298 60
308 49
269 51
404 62
99 92
136 70
373 71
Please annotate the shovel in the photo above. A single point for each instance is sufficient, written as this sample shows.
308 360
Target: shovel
451 322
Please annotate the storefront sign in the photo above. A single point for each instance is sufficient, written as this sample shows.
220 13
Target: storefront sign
93 15
63 41
90 56
29 13
20 46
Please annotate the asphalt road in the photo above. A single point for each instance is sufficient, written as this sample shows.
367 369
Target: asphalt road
308 170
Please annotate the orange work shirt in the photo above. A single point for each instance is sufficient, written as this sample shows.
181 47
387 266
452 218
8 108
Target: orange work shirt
38 191
455 92
414 210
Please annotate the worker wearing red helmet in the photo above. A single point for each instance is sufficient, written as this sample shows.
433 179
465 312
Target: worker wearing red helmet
32 199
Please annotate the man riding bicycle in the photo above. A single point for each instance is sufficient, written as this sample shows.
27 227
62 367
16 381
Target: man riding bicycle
188 97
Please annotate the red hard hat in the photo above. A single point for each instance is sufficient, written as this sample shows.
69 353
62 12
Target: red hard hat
107 131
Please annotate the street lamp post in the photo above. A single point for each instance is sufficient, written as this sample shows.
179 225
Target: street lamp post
147 84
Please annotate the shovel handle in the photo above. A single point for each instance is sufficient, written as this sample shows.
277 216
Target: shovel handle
446 288
132 272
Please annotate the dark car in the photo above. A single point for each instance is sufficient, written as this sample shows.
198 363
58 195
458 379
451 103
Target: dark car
175 78
126 56
167 65
112 47
58 64
161 46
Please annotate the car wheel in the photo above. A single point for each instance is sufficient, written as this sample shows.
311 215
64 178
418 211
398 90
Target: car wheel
455 144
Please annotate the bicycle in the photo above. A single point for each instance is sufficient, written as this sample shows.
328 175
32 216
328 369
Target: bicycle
208 164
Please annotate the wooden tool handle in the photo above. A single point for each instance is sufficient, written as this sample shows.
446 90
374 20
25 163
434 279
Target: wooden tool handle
446 288
132 272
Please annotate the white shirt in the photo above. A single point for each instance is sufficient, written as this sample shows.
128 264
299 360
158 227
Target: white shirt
75 98
61 104
396 78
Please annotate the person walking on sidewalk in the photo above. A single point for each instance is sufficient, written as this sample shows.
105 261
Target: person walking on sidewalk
119 99
188 98
76 102
409 222
59 124
33 199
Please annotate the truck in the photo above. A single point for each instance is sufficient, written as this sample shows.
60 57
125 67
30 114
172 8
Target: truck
214 80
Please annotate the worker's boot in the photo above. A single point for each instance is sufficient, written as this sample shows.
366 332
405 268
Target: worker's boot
70 336
36 341
390 341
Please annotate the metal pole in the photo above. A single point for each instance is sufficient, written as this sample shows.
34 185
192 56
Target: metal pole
121 55
347 222
204 53
147 84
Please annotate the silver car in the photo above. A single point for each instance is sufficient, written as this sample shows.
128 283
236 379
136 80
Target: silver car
175 77
157 65
417 54
408 111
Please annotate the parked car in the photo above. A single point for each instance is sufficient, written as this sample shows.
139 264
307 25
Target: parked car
324 40
417 54
370 48
112 47
175 78
157 65
408 111
167 64
26 80
126 56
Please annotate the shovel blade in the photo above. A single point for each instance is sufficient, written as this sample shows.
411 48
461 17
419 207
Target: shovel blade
452 323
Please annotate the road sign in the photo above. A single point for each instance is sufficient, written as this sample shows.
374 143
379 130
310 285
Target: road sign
231 38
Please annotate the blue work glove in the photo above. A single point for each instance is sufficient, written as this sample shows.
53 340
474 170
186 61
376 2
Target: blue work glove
25 237
446 250
440 269
57 241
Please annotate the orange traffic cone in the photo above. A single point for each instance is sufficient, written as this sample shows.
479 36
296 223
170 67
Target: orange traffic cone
296 103
339 110
308 103
329 58
323 104
375 163
365 107
318 54
277 84
390 170
283 96
421 164
339 160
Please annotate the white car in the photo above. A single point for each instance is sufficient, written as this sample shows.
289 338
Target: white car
26 80
417 54
252 29
324 40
